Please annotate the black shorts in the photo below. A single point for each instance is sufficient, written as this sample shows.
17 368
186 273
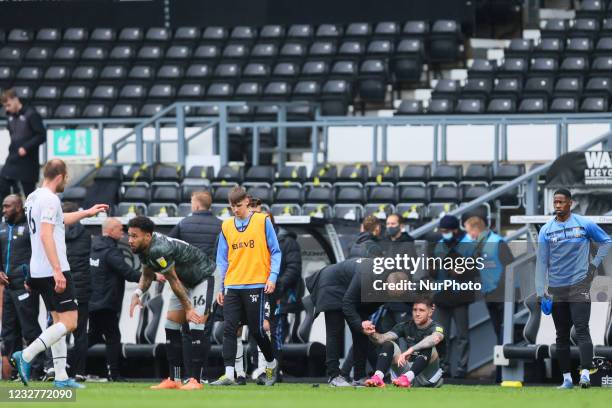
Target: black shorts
55 302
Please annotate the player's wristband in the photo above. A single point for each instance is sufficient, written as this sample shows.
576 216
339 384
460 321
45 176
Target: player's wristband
138 292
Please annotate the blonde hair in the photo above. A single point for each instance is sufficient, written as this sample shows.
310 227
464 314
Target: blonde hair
203 198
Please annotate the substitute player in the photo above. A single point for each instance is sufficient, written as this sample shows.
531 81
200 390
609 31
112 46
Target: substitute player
419 365
563 261
189 272
248 257
50 272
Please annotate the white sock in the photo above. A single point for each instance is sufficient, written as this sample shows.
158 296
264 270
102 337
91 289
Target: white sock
261 360
271 364
46 339
59 350
239 364
567 377
585 373
229 372
379 374
410 376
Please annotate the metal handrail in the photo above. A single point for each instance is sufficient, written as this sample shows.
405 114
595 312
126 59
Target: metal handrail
530 176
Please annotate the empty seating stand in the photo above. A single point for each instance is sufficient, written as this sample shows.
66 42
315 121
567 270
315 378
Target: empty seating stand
131 68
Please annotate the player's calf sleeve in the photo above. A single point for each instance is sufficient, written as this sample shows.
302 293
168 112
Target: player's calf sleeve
46 339
239 365
59 350
385 357
174 350
200 346
418 365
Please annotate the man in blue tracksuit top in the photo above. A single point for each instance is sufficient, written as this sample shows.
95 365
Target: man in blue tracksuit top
563 261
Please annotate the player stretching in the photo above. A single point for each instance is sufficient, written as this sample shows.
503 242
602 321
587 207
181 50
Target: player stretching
563 263
50 273
249 259
189 272
420 363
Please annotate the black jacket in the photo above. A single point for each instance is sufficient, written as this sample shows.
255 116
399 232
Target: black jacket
16 257
26 130
109 271
328 286
289 284
78 247
201 229
354 308
365 246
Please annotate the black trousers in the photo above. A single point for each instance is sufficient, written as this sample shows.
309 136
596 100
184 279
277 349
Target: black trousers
458 314
77 357
19 319
20 322
334 341
10 186
496 313
244 306
104 327
572 306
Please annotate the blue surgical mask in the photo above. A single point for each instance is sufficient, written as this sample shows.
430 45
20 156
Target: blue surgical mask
447 236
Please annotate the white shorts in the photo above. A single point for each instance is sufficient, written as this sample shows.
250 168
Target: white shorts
201 296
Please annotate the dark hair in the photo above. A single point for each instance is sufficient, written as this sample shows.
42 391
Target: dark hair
54 168
236 195
254 202
424 299
69 207
400 219
563 191
142 223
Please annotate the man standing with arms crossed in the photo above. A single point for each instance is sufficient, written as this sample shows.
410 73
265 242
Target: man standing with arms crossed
564 266
50 272
249 257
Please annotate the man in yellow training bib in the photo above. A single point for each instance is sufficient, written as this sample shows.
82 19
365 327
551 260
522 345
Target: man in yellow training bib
248 257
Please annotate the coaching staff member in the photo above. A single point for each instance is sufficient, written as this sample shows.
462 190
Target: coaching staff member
563 261
201 229
249 257
27 132
109 271
19 307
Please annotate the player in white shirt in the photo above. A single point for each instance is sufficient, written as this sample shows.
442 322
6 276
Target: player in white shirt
50 271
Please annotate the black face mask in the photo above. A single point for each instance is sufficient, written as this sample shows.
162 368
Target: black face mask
392 231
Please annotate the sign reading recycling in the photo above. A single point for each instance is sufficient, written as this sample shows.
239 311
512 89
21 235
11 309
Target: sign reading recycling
72 143
598 169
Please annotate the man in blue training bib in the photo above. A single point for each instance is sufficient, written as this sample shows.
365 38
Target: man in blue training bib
563 261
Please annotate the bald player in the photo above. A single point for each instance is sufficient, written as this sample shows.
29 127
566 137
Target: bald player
109 271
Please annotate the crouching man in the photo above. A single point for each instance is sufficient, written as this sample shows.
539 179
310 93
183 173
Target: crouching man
419 364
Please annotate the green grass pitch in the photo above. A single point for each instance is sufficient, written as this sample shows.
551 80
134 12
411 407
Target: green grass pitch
133 395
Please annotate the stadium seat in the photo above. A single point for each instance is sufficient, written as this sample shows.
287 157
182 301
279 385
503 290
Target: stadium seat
138 193
292 174
477 174
230 174
410 107
260 174
191 185
446 173
75 195
353 173
263 193
415 173
324 173
445 41
385 173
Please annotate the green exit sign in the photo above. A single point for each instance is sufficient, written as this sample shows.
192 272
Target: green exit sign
72 142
